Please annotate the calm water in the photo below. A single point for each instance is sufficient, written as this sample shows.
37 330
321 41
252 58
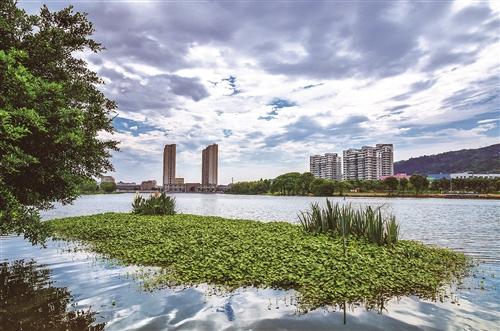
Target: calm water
108 294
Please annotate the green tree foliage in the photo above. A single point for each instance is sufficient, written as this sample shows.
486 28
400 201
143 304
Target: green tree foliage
403 184
476 185
419 183
304 183
391 183
51 113
322 187
108 187
256 187
88 186
287 184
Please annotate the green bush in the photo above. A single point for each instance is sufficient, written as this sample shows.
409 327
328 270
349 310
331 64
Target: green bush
108 187
345 221
159 204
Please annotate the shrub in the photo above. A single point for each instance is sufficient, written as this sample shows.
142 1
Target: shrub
158 204
344 220
108 187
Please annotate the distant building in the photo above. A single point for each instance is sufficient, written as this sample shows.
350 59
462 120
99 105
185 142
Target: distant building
179 181
386 159
122 186
107 179
209 165
326 166
439 176
369 163
148 185
169 164
466 175
399 176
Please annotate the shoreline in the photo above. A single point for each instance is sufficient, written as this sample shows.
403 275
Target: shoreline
478 196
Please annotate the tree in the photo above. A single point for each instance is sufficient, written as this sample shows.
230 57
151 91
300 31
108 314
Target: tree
51 112
88 186
305 181
391 183
286 184
403 184
419 183
322 187
108 187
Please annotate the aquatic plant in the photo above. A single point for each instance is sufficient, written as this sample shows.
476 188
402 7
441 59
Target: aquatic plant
345 221
158 204
195 250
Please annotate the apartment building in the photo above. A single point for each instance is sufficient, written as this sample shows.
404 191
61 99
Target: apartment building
326 166
368 162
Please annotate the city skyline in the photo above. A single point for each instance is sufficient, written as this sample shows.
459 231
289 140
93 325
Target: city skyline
268 90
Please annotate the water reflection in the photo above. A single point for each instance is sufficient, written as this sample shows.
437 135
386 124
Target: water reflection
30 302
471 226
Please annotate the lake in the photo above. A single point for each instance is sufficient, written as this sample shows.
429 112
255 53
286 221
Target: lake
109 294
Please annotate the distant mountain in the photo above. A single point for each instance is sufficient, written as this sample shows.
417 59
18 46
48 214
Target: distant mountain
480 160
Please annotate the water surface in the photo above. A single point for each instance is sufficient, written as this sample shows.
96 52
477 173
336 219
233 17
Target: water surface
116 298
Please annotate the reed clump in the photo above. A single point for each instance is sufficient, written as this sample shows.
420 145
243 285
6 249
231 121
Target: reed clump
344 220
155 204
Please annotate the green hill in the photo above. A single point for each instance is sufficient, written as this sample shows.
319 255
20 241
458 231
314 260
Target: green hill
480 160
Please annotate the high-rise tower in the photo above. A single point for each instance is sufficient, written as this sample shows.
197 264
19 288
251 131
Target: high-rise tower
369 163
169 165
326 166
209 165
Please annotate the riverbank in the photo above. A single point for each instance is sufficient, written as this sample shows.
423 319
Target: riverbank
489 196
237 253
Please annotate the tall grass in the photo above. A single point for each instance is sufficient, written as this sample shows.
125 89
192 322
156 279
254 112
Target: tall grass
345 221
158 204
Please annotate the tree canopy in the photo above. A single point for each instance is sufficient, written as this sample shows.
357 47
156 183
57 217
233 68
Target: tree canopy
51 114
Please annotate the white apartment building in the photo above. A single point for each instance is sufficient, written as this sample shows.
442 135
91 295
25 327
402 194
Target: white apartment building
369 163
326 166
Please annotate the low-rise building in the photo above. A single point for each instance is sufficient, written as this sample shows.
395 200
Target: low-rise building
107 179
438 176
399 176
465 175
127 187
148 185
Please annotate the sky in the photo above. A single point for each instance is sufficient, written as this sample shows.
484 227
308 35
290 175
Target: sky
272 82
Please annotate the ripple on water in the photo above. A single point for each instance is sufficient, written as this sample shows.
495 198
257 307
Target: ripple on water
471 226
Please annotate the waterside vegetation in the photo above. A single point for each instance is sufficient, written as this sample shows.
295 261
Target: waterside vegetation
324 269
155 204
295 183
345 221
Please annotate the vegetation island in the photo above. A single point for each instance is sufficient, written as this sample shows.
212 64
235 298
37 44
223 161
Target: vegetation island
336 256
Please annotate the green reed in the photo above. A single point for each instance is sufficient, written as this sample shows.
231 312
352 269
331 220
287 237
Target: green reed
345 220
157 204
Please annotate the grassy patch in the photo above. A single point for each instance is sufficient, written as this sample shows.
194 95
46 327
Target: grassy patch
236 253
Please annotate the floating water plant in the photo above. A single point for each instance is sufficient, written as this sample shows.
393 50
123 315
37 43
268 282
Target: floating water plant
194 250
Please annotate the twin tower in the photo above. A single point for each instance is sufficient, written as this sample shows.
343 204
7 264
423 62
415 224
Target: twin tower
209 166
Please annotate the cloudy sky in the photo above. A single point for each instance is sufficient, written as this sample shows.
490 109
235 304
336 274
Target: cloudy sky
272 82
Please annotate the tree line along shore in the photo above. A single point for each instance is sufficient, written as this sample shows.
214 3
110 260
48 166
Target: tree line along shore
295 183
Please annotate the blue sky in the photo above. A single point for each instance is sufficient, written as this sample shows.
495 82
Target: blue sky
273 82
